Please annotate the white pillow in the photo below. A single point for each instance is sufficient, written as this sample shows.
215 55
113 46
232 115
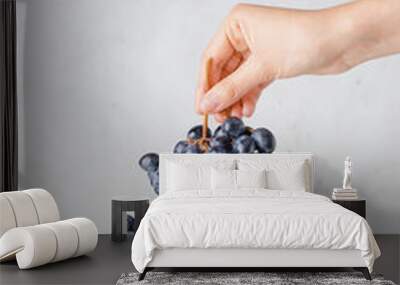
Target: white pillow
189 175
251 178
282 174
226 179
223 179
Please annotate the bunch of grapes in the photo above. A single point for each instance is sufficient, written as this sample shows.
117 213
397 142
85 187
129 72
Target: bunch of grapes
232 136
149 163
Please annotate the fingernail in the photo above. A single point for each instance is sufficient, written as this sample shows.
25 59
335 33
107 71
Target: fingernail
208 105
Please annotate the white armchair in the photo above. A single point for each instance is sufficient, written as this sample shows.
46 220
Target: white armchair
31 230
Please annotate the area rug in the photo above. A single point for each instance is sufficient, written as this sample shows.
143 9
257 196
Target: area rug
243 278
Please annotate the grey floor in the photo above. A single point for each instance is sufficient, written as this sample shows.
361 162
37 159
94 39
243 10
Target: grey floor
103 266
110 260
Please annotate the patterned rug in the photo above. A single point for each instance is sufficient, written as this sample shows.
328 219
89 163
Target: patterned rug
243 278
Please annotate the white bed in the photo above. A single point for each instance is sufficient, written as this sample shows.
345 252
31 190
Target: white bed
193 224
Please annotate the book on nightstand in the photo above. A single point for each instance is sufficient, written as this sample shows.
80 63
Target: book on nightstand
344 194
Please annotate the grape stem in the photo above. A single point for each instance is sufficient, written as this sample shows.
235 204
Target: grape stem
203 143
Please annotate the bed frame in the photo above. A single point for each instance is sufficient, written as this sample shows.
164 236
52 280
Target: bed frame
246 259
234 259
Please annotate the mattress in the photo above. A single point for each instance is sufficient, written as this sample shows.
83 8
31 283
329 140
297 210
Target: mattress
250 219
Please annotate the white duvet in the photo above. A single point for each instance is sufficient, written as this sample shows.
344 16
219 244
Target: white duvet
252 218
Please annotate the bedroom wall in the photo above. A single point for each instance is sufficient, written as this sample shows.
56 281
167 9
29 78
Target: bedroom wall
102 82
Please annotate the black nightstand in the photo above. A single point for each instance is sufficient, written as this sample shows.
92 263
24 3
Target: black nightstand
357 206
122 204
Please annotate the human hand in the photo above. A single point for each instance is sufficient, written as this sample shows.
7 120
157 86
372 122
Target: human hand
257 44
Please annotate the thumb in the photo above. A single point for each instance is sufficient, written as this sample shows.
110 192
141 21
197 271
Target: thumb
232 88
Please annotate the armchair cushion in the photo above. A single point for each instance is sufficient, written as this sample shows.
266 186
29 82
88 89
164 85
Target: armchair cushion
40 244
27 208
31 232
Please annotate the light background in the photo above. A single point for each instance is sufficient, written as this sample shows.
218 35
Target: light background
103 82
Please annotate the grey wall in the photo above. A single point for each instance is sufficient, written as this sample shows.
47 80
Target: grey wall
102 82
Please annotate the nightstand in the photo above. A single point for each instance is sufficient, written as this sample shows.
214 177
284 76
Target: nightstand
121 204
357 206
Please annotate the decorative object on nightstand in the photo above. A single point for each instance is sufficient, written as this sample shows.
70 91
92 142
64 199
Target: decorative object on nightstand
122 204
358 206
346 192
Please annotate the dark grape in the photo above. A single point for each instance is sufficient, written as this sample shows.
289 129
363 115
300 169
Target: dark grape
244 144
224 143
194 148
220 149
149 161
196 132
154 178
219 132
233 126
264 139
247 131
181 147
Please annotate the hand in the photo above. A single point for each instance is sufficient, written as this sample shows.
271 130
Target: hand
256 45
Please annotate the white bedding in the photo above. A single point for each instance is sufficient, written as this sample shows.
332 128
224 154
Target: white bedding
251 218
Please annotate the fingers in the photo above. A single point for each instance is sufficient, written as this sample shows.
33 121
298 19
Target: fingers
237 110
250 101
220 117
231 65
245 107
231 89
220 51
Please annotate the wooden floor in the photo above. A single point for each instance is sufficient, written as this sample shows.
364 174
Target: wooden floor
110 260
